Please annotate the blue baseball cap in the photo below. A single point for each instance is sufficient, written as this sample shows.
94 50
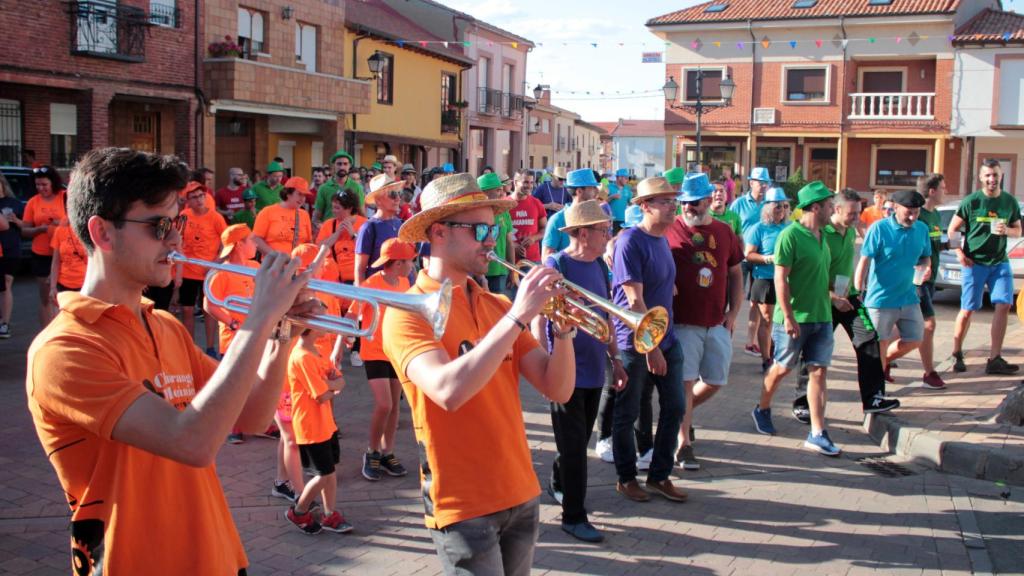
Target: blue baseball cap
776 194
634 214
696 186
580 178
760 174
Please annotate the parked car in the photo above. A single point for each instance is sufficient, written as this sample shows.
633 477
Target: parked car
24 188
949 274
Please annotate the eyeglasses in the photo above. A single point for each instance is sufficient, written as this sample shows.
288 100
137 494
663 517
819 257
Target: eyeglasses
600 230
394 194
690 202
481 231
664 201
163 225
41 170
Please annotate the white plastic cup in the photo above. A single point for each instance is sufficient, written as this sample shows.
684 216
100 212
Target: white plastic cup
842 285
919 272
996 228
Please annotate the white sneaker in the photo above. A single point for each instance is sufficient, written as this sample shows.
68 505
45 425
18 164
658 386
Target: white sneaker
604 450
355 360
644 462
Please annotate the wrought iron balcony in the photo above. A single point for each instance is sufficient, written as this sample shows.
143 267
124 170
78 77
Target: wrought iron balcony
106 29
892 106
489 101
451 121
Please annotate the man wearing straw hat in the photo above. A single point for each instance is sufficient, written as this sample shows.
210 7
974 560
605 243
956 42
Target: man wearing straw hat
552 194
582 186
643 276
589 228
482 511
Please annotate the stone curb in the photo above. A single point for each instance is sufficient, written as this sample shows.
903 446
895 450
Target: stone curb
960 458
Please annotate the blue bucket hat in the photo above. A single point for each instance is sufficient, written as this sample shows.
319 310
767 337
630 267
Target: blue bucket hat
580 178
622 172
776 194
634 214
696 186
761 174
448 168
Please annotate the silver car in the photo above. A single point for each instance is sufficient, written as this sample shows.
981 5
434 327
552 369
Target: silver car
949 273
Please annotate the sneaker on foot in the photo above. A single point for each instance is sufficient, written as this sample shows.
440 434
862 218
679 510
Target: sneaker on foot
271 432
236 438
584 531
801 410
335 522
822 444
881 404
390 464
555 493
5 330
604 450
354 359
933 381
1000 367
958 362
763 420
752 350
687 459
283 490
305 522
643 461
371 466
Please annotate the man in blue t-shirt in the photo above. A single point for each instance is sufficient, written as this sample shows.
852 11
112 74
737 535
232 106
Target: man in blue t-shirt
898 251
619 195
582 186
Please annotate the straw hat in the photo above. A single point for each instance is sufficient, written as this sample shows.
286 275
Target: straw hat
390 158
445 196
581 214
560 173
231 236
652 188
382 183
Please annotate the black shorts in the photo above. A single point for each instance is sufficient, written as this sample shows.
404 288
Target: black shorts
160 295
379 369
323 456
63 288
762 291
41 265
188 293
7 266
926 293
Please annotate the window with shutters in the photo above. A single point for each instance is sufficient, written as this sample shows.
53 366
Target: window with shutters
252 32
709 85
805 84
63 134
305 45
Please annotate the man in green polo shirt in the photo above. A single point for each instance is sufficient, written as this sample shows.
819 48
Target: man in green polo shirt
504 244
341 163
268 191
932 187
802 325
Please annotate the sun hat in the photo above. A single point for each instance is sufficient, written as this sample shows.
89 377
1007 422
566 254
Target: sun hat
760 174
231 236
907 198
559 172
390 158
342 153
490 181
299 183
580 178
675 176
382 183
696 186
814 192
776 194
274 167
445 196
652 188
622 172
586 213
408 169
634 214
394 249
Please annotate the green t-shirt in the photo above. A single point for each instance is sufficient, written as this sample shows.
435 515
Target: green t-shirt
808 260
504 222
731 218
245 217
841 249
977 211
265 195
934 223
328 190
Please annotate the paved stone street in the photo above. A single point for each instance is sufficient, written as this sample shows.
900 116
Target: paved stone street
759 506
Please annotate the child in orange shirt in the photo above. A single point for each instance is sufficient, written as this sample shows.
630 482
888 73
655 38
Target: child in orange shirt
314 383
395 263
67 269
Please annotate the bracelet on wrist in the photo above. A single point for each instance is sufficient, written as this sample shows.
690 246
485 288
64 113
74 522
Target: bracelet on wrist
518 322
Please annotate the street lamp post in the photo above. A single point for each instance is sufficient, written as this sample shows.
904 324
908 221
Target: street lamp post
671 89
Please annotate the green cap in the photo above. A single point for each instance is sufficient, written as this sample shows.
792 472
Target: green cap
814 192
675 176
489 182
341 153
377 166
274 167
248 195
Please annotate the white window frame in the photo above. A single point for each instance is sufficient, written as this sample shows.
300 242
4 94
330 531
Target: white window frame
301 28
172 5
875 148
686 74
1002 64
246 29
904 70
545 126
785 85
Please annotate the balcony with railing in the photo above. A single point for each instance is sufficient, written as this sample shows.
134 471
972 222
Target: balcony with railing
495 102
892 106
106 29
451 120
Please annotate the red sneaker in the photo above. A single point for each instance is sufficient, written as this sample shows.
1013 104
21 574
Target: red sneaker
336 523
305 522
932 381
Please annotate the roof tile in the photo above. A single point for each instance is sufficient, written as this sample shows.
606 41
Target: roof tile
741 10
992 26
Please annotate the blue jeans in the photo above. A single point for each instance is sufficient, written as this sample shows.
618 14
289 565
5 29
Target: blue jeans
672 406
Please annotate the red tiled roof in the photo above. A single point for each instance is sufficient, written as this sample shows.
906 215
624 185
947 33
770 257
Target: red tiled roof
378 19
992 26
639 128
606 126
740 10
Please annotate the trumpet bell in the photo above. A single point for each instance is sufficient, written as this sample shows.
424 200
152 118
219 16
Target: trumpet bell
650 329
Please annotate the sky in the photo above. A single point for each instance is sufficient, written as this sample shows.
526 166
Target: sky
568 62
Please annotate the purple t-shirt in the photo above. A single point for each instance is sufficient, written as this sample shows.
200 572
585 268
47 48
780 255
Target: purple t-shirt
591 355
640 257
372 235
547 194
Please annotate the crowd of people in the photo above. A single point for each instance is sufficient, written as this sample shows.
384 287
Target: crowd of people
119 386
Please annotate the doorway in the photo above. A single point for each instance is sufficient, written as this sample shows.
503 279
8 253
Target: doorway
823 164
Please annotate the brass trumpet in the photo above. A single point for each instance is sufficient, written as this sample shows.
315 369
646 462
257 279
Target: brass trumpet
434 308
577 309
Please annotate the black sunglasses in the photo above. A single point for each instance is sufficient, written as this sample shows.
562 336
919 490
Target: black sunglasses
42 170
163 225
481 230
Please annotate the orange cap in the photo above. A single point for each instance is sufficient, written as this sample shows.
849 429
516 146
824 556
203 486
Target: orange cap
299 183
190 187
394 249
233 235
307 253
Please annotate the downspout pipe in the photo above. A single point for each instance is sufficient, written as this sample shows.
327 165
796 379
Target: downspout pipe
198 86
842 105
752 154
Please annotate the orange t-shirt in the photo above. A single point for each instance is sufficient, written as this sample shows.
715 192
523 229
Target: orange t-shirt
73 257
372 348
132 512
307 379
325 343
871 214
201 240
226 284
209 201
460 473
276 225
39 212
344 250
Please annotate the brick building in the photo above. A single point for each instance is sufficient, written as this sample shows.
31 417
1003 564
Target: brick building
87 73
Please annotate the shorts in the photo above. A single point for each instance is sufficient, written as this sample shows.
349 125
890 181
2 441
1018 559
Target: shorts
998 278
7 266
762 291
908 319
63 288
748 276
379 369
323 456
814 345
926 294
188 293
707 353
41 265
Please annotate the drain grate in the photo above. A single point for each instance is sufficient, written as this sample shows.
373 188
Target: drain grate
883 467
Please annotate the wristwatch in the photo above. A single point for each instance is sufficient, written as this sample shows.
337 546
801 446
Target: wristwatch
567 335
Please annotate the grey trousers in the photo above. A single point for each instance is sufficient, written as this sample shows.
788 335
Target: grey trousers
497 544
